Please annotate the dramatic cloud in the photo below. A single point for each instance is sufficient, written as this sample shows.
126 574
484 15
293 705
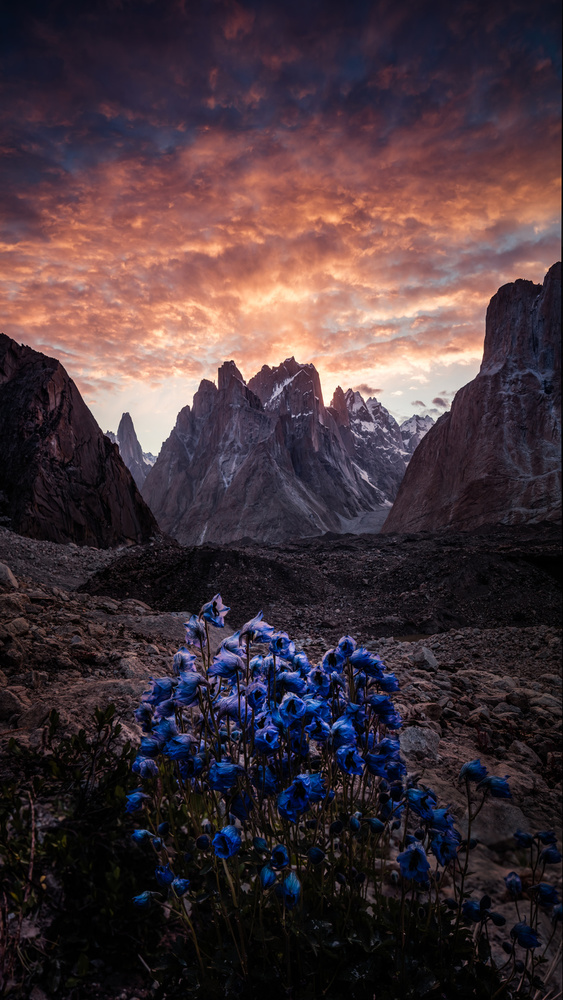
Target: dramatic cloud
367 390
442 403
418 402
184 183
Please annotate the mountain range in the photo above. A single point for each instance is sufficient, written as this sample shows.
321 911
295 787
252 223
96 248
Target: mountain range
269 461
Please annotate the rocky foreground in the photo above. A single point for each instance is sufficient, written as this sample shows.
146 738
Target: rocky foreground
488 686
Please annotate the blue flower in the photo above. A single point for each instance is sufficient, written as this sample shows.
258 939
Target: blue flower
143 715
513 883
319 681
523 839
546 837
292 709
135 800
180 886
545 894
280 857
473 771
421 802
226 664
290 890
498 787
349 760
267 877
557 914
472 910
333 660
413 863
316 855
162 689
146 767
550 855
442 819
525 935
223 776
227 842
444 845
257 630
291 680
375 825
149 747
183 660
144 900
266 740
256 696
241 806
361 659
318 731
281 644
214 611
187 692
294 800
195 632
389 683
343 733
179 747
317 788
384 708
139 835
164 875
347 645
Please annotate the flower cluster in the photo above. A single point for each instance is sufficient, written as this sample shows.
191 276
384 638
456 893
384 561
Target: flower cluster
293 770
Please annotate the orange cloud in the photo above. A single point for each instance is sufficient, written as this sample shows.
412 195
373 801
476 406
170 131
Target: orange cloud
287 216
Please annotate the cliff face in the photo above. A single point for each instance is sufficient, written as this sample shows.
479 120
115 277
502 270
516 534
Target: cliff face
495 457
60 478
262 461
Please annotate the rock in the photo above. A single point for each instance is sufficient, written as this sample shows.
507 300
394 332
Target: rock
496 824
10 704
519 700
503 709
519 749
425 657
60 478
18 626
7 578
419 743
495 457
431 709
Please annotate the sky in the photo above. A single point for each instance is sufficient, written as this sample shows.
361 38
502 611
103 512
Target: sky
184 182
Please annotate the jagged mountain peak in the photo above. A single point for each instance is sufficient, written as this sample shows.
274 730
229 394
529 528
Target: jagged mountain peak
495 457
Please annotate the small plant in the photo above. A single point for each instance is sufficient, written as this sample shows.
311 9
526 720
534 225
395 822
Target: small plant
292 852
68 870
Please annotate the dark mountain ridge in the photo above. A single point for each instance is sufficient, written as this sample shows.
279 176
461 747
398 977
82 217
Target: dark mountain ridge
60 478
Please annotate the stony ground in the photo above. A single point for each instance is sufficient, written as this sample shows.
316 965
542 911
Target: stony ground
490 687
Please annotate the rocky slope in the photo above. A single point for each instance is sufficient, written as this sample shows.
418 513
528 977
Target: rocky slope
492 692
60 478
495 457
237 466
137 461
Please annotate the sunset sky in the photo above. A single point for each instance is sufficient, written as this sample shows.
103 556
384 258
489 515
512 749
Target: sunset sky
348 182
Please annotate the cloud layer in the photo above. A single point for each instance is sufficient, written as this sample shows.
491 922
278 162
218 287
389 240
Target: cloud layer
189 182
